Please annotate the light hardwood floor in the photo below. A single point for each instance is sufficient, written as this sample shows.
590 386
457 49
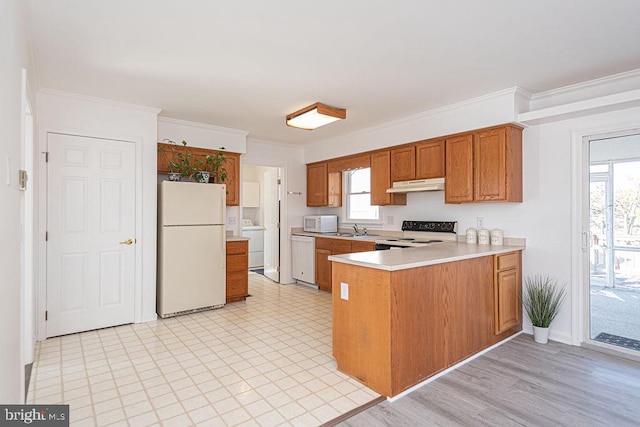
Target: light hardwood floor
522 383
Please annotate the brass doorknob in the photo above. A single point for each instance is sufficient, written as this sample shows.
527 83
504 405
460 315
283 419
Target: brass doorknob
126 242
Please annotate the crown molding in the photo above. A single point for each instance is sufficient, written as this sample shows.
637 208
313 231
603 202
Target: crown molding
601 82
95 99
513 91
582 108
202 125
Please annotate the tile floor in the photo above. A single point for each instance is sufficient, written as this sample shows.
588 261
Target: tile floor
263 362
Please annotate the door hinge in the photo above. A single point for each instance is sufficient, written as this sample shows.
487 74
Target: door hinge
279 181
278 269
277 225
46 156
46 236
46 315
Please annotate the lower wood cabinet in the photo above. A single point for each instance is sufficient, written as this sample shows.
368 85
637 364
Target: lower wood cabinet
507 286
237 270
326 247
401 327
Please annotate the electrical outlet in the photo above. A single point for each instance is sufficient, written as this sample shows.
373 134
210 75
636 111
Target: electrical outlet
344 291
390 219
232 220
480 222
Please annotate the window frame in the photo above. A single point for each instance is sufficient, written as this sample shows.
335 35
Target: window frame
346 186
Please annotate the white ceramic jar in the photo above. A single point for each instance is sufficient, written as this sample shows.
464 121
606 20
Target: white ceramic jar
483 236
472 235
497 237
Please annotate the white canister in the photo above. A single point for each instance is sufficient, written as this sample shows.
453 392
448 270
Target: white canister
483 236
472 235
497 237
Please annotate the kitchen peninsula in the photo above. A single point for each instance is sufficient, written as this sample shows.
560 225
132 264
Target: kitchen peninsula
402 316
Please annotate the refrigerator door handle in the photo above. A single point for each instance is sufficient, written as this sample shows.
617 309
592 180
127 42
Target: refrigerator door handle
224 252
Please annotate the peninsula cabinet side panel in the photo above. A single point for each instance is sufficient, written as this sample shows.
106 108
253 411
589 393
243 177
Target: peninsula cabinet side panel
418 339
361 325
468 293
441 314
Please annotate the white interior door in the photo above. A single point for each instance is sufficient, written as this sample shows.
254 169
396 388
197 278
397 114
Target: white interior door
272 225
91 233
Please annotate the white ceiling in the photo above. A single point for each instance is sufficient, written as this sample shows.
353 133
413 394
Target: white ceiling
246 64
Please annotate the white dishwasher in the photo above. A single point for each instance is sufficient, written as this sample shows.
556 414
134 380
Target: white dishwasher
303 258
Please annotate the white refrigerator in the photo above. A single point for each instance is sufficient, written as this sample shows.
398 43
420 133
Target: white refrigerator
191 247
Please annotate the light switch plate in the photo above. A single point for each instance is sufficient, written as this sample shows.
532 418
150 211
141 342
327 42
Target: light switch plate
344 291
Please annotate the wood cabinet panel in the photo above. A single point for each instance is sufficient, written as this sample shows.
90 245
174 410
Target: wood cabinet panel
506 293
324 248
360 246
403 163
317 184
323 269
367 358
350 162
237 277
489 158
381 180
232 165
507 261
335 189
498 164
458 184
430 161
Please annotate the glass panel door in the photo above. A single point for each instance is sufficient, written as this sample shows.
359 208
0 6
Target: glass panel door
614 241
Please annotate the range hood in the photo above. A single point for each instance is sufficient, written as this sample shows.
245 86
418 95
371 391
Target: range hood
434 184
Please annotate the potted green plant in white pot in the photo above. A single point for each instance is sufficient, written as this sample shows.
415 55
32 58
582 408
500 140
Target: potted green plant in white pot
542 299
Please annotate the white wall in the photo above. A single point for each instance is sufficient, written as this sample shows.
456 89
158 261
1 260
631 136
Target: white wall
16 55
293 207
93 117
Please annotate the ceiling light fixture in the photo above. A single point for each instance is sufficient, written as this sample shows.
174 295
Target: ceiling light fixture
314 116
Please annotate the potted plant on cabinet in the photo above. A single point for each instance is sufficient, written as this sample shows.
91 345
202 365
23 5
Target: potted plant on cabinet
214 165
181 163
542 299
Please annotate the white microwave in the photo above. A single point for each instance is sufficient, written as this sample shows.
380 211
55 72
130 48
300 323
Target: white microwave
321 223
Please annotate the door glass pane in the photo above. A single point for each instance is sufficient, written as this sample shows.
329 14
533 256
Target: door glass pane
614 249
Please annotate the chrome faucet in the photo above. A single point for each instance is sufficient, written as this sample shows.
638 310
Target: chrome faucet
355 228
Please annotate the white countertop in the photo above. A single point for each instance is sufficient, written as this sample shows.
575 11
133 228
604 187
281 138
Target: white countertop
236 238
401 259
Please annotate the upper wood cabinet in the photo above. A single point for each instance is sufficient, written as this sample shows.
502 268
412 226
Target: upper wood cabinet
233 179
381 180
232 165
317 184
458 184
484 166
497 164
403 163
430 157
324 188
